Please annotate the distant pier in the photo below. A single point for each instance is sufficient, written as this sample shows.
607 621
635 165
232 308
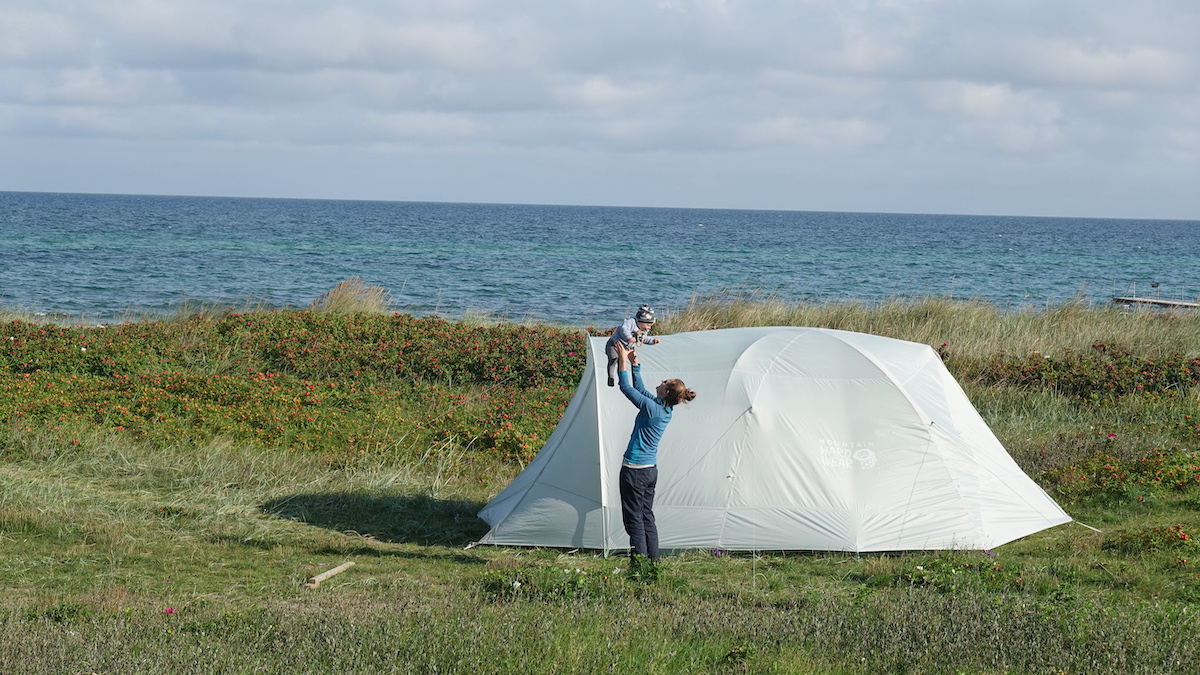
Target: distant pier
1157 302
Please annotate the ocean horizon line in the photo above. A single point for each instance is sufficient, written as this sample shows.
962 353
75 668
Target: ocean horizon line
602 206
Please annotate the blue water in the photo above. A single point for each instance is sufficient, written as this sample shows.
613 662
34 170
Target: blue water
103 257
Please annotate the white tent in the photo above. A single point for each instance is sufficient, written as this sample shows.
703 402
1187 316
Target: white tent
799 439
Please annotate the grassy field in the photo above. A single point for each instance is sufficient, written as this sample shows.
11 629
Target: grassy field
167 487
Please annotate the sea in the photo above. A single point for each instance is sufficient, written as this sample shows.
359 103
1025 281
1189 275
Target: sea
93 258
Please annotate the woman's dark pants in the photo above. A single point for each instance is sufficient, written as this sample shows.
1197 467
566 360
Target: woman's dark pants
637 503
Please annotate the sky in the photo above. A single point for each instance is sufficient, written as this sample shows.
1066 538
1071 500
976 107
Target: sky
1024 107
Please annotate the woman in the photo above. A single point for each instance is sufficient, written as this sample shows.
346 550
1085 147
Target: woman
639 466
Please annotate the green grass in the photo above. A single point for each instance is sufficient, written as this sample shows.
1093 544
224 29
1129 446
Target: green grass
108 519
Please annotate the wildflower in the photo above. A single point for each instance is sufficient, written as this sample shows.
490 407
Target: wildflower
170 610
1112 435
516 584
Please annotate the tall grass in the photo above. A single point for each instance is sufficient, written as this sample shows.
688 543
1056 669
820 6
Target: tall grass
973 328
8 314
353 296
187 310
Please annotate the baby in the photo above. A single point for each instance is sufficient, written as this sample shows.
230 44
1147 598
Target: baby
631 333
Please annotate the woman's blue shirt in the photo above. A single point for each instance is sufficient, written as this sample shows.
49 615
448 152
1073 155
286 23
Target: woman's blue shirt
652 418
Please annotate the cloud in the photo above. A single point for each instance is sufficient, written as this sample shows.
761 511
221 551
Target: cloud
1182 145
601 91
997 115
1077 63
1098 83
990 102
36 36
422 126
815 133
92 86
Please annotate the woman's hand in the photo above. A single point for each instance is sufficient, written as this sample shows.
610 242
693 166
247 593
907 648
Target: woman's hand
633 360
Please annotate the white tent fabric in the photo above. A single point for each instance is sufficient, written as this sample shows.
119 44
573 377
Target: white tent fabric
799 439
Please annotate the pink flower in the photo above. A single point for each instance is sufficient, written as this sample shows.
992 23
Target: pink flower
1111 435
170 610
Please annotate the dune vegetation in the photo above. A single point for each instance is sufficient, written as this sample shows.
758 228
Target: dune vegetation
168 485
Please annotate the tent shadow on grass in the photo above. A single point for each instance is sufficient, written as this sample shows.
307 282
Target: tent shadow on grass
421 520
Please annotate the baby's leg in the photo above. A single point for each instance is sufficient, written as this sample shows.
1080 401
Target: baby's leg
611 351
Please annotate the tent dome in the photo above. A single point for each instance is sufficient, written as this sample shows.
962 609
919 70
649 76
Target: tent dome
799 439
